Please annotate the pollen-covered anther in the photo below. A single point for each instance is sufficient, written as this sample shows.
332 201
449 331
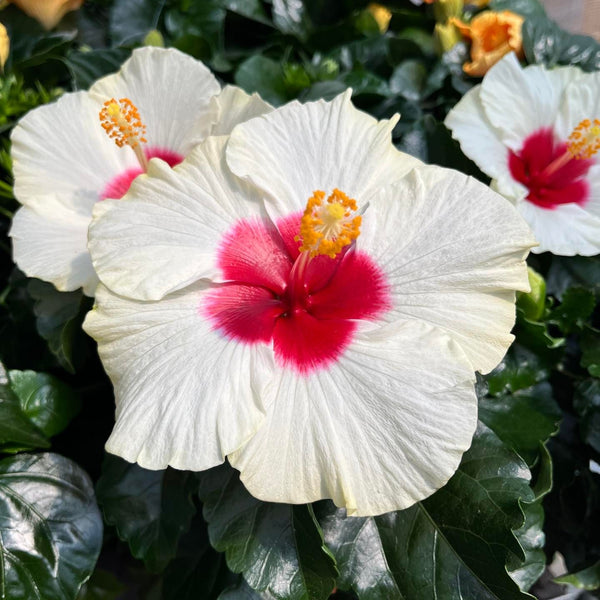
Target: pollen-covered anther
328 225
121 121
584 141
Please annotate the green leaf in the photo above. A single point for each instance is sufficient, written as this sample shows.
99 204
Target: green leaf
242 591
586 579
58 320
573 271
527 8
278 548
102 585
524 419
262 75
198 571
535 336
454 545
577 305
590 350
289 16
150 509
87 67
519 369
408 79
251 9
546 43
587 404
51 528
131 20
48 403
17 432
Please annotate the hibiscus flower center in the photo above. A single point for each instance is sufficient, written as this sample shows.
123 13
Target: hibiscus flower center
553 171
288 290
122 122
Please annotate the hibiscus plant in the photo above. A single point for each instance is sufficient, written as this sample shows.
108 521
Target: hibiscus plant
299 301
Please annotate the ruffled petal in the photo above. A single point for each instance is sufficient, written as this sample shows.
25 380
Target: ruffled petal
581 101
235 106
520 101
567 229
165 233
51 245
172 92
478 138
62 147
379 430
185 395
454 254
299 148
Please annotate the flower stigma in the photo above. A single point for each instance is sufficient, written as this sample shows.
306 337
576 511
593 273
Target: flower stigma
328 225
121 121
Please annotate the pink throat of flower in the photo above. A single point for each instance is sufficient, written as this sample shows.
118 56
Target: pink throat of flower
119 185
307 308
549 187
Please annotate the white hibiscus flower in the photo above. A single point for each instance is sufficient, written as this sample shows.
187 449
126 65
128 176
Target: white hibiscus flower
64 161
328 353
535 132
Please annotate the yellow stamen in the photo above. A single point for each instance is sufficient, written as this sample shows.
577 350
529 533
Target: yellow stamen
121 121
584 142
328 225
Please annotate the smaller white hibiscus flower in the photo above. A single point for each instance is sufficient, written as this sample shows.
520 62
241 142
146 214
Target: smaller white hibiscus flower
308 301
88 146
536 132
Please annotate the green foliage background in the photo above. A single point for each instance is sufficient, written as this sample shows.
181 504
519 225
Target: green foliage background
523 491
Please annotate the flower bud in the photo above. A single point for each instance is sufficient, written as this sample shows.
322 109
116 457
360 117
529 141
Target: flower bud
533 303
445 9
4 46
47 12
446 36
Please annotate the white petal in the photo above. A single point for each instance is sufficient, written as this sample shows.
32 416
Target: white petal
172 92
299 148
61 147
520 101
380 430
235 106
566 230
581 101
165 232
185 395
454 254
51 245
478 138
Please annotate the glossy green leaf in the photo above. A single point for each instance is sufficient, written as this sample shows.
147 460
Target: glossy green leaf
51 528
576 306
131 20
590 350
587 405
408 79
519 369
262 75
17 431
87 67
58 320
278 548
252 9
242 591
546 43
197 571
585 579
527 8
536 336
453 545
573 271
150 509
289 16
524 419
47 402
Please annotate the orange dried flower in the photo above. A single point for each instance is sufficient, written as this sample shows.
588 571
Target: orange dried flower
492 35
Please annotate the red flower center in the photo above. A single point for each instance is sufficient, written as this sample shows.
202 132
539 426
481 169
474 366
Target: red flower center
550 180
118 186
308 308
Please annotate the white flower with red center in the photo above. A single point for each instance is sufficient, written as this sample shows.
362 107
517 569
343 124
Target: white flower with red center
536 132
159 105
302 298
